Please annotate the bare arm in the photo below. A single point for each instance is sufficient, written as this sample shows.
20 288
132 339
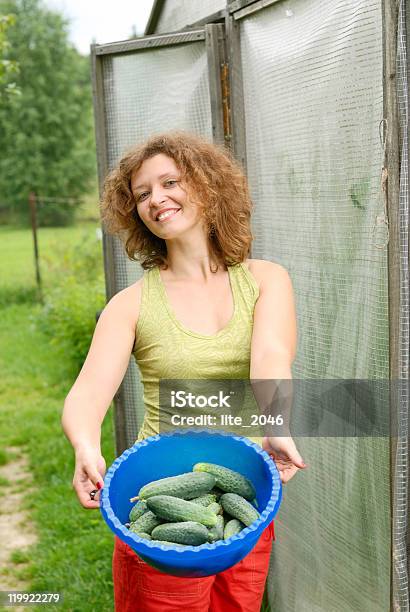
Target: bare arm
274 336
90 397
274 340
273 350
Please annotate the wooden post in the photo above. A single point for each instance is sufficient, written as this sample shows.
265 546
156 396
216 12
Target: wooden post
392 163
33 213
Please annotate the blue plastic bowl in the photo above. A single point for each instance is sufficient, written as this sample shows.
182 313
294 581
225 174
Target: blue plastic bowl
174 453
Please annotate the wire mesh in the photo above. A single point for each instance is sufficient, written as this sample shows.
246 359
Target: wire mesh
314 163
147 92
180 13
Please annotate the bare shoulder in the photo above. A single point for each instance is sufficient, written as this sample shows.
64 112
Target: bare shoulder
127 302
264 271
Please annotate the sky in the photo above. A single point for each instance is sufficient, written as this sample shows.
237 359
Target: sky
102 21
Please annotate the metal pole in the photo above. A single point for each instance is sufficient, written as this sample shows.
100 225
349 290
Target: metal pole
33 212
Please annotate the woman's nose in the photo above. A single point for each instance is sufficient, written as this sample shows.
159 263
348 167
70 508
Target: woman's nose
157 195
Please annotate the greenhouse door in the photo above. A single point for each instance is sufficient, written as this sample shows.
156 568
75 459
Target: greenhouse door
141 87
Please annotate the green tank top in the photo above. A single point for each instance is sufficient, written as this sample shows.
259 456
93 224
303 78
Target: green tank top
166 349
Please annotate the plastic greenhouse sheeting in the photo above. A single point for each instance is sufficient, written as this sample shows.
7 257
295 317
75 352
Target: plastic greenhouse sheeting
137 105
314 161
180 13
313 100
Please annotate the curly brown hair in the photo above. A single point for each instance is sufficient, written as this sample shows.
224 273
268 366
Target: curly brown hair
213 179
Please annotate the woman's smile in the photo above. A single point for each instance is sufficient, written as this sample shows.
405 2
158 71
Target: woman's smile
167 215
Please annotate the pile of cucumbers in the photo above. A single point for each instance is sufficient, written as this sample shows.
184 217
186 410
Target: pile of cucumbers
210 503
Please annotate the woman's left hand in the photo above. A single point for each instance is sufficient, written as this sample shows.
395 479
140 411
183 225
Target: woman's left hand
285 455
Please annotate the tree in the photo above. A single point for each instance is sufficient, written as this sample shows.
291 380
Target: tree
46 133
8 68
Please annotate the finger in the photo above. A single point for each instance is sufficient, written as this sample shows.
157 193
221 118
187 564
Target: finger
91 475
87 502
90 504
298 462
284 476
87 494
295 457
96 479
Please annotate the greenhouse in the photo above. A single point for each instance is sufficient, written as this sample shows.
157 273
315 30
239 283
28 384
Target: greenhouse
312 98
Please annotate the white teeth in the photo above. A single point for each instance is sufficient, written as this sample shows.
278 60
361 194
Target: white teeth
166 214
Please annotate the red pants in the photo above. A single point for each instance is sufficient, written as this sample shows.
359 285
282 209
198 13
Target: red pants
138 587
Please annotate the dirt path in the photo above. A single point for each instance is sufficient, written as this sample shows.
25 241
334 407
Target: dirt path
16 530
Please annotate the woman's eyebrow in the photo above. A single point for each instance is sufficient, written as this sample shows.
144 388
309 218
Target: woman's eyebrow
160 177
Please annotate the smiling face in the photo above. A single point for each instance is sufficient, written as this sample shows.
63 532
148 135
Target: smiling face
161 200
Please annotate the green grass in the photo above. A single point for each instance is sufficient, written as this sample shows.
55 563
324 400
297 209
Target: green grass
4 482
73 553
4 458
17 270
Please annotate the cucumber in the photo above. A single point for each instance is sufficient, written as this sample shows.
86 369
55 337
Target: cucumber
146 523
187 532
216 533
228 480
185 486
138 510
232 527
217 492
204 500
215 507
239 508
174 509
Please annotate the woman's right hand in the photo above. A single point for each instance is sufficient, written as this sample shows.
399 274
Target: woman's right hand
88 475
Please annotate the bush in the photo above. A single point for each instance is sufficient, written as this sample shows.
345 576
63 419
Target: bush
56 213
73 299
18 295
69 317
83 259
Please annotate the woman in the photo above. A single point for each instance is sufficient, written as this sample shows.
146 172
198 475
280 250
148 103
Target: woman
201 310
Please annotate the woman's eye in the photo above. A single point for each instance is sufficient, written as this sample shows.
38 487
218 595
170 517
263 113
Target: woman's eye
143 195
